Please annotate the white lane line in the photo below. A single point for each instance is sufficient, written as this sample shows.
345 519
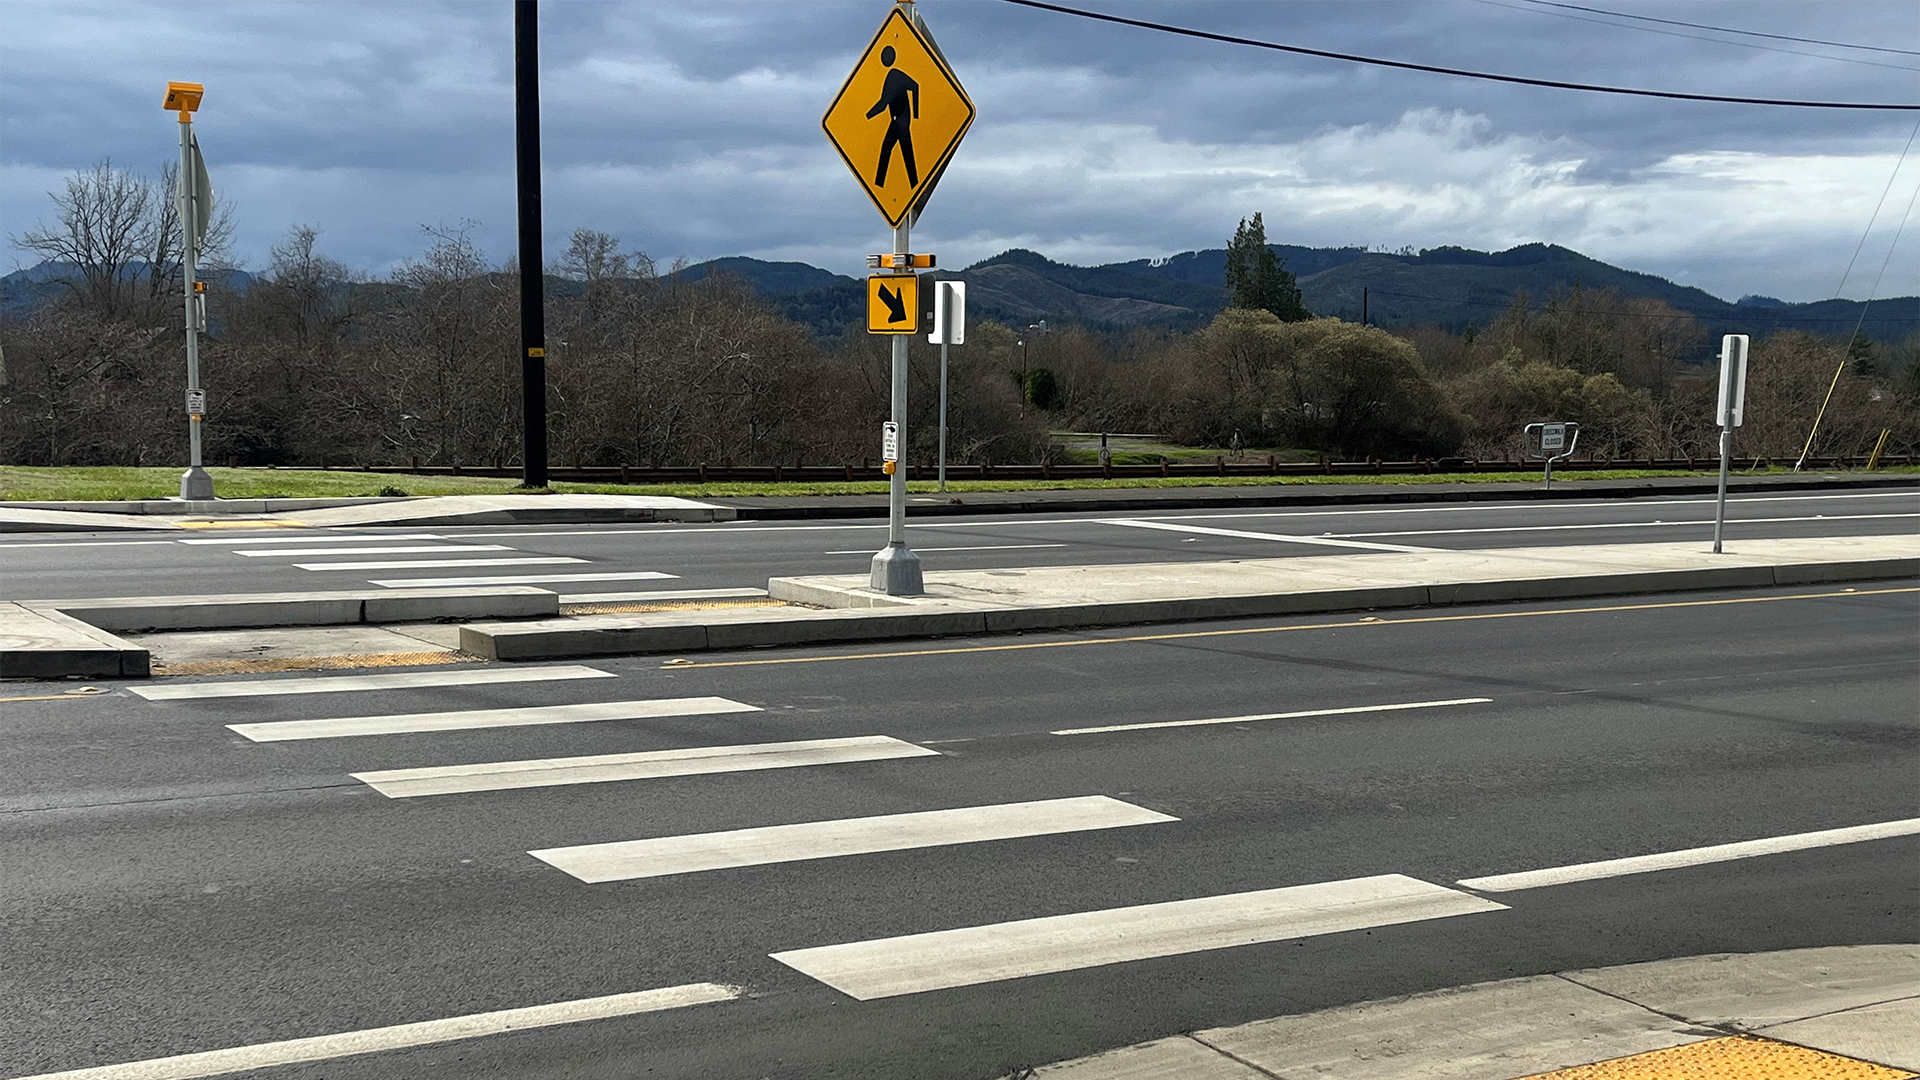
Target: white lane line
232 540
416 564
443 549
1669 860
886 967
604 768
329 684
1245 534
402 1036
977 547
1633 525
629 859
341 727
658 594
521 579
1353 710
88 543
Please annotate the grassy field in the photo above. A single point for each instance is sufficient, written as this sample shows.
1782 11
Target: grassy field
37 484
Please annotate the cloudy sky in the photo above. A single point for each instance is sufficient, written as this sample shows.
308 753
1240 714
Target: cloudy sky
690 128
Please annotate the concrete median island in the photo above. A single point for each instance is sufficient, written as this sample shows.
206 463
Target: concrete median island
842 608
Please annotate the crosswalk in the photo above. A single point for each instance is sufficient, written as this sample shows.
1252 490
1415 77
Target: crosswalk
721 740
413 551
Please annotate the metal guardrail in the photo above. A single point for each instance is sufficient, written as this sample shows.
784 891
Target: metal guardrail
1221 466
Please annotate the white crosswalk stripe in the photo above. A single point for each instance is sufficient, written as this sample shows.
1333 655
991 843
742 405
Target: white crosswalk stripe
435 564
650 764
440 549
472 719
629 859
523 579
887 967
333 684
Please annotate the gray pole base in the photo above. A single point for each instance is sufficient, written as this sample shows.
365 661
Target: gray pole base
195 483
896 572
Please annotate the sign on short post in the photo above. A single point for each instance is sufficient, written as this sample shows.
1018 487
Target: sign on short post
1729 413
1552 442
949 328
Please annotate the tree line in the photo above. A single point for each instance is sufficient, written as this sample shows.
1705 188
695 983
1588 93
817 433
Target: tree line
310 364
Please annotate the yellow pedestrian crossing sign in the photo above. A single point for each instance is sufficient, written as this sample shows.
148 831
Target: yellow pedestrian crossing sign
893 304
899 117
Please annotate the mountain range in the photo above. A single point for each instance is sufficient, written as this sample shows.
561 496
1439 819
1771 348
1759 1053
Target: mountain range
1450 287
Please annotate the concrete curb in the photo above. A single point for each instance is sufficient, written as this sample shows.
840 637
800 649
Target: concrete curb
855 614
55 639
1860 1001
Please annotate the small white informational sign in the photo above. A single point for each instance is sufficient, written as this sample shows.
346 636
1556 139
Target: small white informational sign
949 313
1553 438
1733 380
196 402
890 441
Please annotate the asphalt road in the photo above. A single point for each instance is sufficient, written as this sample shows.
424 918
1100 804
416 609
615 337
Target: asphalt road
169 886
625 558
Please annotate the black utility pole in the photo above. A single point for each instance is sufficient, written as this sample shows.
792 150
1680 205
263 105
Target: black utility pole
533 285
1363 305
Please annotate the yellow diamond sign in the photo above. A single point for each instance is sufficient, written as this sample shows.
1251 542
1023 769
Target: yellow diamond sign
899 117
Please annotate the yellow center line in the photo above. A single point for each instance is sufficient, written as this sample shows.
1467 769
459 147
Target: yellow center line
52 697
1368 621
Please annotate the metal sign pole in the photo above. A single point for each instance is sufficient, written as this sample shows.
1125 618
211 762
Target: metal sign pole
896 569
1720 499
946 323
1729 412
195 483
533 282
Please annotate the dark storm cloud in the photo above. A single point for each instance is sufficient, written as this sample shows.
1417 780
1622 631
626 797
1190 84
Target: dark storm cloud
692 128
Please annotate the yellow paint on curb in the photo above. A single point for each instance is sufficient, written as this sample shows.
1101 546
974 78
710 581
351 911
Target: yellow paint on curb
1741 1057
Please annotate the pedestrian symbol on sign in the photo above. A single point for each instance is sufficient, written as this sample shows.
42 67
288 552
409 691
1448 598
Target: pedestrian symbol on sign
898 117
894 101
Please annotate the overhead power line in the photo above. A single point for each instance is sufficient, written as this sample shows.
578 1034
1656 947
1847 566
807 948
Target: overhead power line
1691 37
1727 29
1458 72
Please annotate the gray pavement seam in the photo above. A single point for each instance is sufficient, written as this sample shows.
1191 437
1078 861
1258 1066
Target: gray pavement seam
1233 1057
1700 1028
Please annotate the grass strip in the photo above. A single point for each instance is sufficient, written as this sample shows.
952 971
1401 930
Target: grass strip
114 483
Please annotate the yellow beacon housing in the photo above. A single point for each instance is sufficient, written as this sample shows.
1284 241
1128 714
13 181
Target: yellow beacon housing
184 97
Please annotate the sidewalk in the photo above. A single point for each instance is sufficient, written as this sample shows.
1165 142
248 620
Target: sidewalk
587 509
1849 1012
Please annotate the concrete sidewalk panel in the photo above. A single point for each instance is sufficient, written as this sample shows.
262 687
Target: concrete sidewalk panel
1751 991
520 509
38 644
1887 1034
1178 1058
1489 1031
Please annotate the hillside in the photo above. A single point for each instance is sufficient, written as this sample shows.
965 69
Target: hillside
1449 286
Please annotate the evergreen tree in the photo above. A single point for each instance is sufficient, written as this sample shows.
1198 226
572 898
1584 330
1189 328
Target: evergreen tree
1860 352
1257 280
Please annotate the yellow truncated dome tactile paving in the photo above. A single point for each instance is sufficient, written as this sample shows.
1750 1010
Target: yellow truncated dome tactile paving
1737 1058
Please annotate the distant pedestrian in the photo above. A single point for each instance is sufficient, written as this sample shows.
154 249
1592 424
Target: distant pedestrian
1235 444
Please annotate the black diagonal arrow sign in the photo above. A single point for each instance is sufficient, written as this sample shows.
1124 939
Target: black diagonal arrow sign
893 304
